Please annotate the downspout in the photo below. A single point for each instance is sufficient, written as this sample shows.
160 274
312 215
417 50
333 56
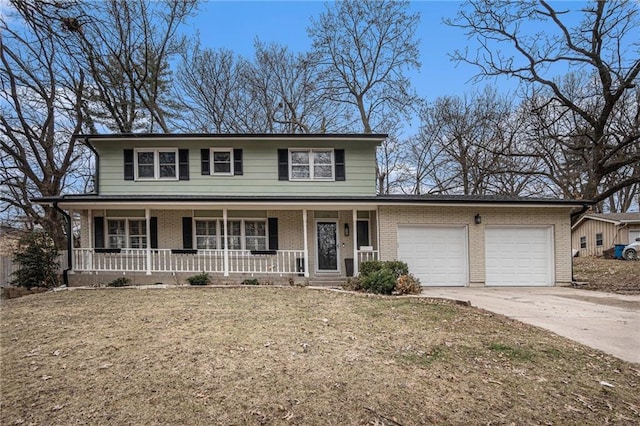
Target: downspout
574 215
96 174
65 273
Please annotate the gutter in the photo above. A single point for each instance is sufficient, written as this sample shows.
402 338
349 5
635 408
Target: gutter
65 273
585 207
96 174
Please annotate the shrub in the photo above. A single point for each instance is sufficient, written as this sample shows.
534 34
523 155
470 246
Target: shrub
370 266
381 281
397 267
252 281
37 257
382 277
119 282
407 284
200 279
353 284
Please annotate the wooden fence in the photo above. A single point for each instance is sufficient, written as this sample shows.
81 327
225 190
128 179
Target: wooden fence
8 267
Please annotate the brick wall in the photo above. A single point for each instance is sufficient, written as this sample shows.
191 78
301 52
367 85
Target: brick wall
557 218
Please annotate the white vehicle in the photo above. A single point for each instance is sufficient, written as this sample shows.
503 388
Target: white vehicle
630 252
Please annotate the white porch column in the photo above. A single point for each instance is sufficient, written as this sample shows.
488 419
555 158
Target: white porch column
90 242
147 217
354 232
225 242
70 236
306 243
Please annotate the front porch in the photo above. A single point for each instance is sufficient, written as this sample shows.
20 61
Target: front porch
229 243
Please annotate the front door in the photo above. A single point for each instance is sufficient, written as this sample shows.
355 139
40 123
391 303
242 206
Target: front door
327 245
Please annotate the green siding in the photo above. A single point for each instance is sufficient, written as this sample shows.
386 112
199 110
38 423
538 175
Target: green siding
260 166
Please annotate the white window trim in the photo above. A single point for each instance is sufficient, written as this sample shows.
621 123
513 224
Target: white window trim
220 230
126 233
601 239
156 163
311 174
195 231
212 167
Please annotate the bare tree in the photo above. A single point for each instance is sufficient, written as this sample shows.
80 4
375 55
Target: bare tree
127 46
466 146
58 62
364 49
40 109
211 86
287 87
587 124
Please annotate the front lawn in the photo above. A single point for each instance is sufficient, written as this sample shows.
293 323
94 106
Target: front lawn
294 356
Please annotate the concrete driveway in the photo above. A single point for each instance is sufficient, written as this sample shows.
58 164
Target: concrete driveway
609 322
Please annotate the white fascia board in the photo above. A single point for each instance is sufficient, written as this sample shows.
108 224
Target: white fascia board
216 204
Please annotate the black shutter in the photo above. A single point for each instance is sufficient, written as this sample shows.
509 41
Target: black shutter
339 158
283 164
128 164
183 164
237 162
273 233
98 232
154 232
187 233
204 161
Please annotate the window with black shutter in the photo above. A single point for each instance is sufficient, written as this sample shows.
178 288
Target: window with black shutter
204 162
237 162
183 164
187 233
98 232
283 164
128 164
340 166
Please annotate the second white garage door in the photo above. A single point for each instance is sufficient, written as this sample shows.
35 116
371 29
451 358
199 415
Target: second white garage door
437 255
518 256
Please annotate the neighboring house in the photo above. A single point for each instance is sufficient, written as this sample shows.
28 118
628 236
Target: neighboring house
287 207
595 232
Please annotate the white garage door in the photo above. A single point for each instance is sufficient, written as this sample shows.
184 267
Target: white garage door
518 256
435 255
633 235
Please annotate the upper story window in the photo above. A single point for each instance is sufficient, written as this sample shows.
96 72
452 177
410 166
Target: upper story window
222 160
160 163
311 164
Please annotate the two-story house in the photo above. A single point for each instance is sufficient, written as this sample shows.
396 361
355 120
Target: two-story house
289 206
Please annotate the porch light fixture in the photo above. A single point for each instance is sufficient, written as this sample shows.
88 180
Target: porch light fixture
346 229
478 219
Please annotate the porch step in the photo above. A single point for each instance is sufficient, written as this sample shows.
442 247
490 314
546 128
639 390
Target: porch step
327 283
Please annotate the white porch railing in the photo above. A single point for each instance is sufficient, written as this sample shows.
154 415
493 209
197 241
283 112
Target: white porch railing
366 255
166 260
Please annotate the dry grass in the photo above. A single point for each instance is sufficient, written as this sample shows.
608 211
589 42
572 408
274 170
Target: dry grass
610 275
294 356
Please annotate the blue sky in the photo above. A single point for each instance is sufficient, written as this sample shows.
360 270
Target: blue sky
235 24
